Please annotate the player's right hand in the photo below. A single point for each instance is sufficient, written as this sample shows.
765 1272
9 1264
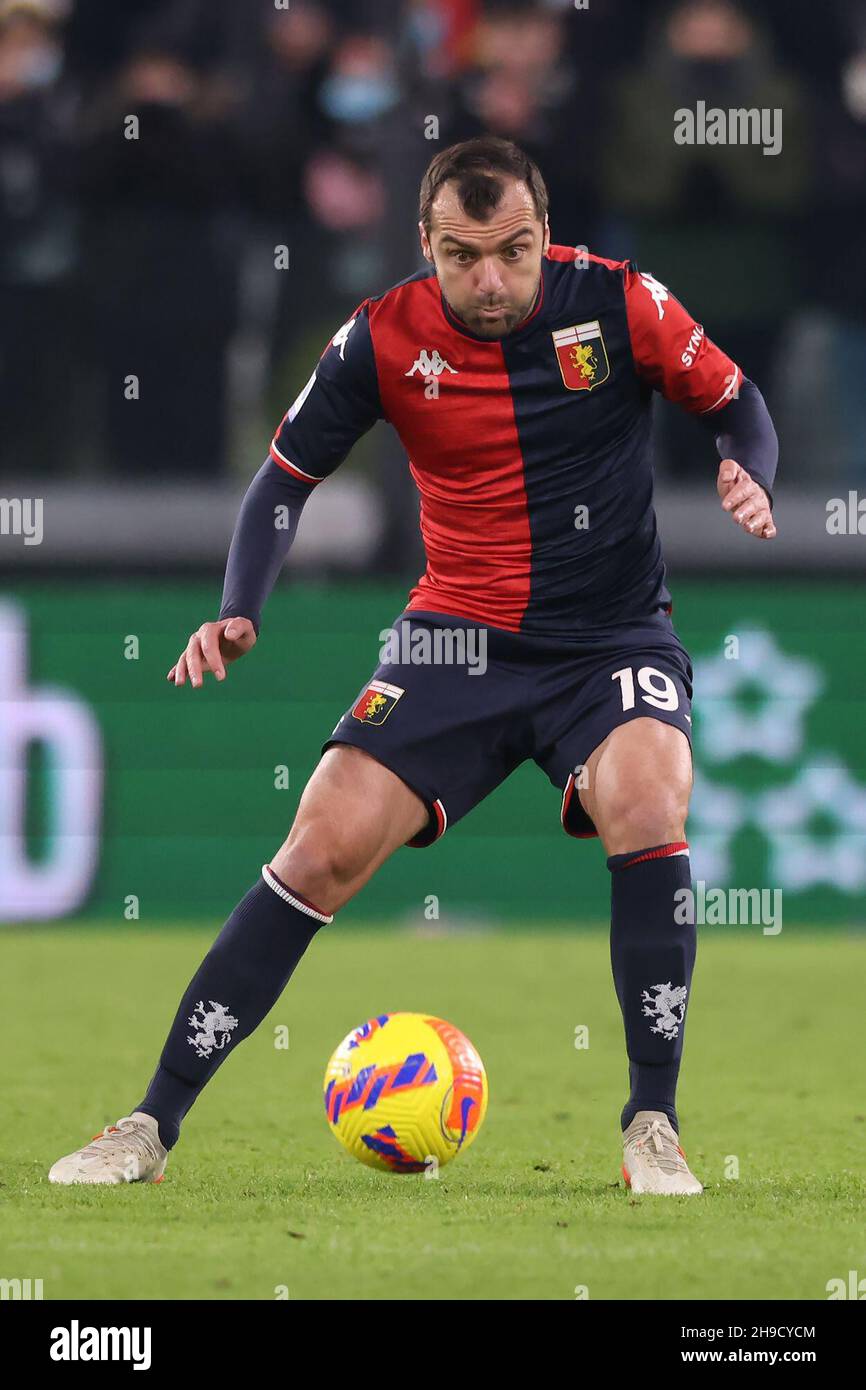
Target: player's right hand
211 648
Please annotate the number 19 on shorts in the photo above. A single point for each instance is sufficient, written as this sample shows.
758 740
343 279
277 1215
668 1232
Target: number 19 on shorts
656 688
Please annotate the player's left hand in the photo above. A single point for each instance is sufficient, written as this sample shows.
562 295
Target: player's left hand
745 499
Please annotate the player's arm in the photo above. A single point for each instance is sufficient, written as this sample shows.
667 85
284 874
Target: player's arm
749 450
673 354
339 403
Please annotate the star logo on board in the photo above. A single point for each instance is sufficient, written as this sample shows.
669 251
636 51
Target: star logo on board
716 814
729 727
800 857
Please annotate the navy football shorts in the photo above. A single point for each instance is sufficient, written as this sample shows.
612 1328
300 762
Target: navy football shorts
454 706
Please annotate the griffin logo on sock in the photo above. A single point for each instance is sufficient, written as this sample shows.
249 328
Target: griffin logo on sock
582 355
663 1006
214 1028
377 702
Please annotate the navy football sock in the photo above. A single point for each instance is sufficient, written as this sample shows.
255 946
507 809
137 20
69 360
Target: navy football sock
652 952
238 982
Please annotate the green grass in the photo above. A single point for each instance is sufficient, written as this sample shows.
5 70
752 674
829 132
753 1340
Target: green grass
258 1194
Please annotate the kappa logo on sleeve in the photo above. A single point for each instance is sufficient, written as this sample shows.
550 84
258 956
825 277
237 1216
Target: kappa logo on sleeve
339 338
657 290
582 355
377 702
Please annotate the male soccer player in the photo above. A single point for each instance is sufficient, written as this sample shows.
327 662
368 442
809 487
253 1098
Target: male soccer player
519 376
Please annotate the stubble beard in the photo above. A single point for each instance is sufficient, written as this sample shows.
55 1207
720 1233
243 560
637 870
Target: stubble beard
495 327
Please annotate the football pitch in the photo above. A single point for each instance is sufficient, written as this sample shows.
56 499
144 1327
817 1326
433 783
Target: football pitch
260 1202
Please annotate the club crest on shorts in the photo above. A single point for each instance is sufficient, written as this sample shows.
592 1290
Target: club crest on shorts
377 702
582 355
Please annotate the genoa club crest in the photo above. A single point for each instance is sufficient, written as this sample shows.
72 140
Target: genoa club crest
377 702
582 355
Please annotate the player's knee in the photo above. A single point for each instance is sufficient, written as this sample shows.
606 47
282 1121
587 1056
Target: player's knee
319 860
648 816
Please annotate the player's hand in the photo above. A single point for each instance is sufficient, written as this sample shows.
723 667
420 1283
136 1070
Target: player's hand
746 500
211 648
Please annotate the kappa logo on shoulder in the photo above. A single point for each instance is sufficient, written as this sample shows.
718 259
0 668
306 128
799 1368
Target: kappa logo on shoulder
341 335
430 363
657 290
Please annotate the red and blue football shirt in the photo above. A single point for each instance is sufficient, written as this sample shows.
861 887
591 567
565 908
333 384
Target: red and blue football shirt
531 453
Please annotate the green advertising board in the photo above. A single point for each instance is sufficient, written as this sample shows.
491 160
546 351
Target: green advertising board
125 799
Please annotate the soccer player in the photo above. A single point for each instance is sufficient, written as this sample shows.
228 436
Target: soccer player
519 375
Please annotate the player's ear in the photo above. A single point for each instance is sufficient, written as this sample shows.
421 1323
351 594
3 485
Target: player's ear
426 250
546 238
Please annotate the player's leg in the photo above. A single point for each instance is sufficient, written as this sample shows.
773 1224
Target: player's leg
328 860
638 783
353 814
637 792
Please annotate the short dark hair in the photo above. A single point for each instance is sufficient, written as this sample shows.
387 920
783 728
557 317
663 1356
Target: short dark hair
478 166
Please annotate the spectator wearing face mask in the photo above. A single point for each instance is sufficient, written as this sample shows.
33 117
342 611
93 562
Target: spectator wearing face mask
281 125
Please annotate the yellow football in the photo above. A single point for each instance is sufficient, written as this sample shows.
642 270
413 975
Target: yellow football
405 1092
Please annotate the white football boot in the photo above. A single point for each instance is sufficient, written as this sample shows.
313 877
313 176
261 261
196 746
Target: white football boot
652 1158
129 1151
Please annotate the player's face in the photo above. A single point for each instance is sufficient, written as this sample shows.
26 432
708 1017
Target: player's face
489 271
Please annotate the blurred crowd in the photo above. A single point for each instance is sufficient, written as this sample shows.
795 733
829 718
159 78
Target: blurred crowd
156 155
